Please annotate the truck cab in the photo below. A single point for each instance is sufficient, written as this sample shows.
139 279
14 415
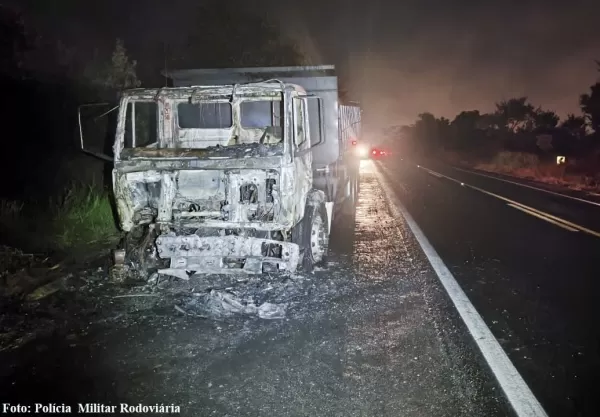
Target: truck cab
229 174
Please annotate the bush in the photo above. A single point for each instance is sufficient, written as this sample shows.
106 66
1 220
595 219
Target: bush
512 161
577 174
83 216
80 218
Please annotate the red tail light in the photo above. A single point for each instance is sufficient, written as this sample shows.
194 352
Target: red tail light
353 143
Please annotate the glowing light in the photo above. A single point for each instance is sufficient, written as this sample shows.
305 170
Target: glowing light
362 151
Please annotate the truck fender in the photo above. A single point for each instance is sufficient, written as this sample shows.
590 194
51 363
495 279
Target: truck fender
317 197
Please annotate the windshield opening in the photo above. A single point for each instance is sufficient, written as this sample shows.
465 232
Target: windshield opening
264 118
261 114
219 122
207 115
141 124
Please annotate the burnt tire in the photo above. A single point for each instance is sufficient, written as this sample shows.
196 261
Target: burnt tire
314 237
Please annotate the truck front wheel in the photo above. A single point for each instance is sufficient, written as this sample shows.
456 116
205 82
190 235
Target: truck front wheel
314 237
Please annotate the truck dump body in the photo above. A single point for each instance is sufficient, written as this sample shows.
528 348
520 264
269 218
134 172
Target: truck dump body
349 124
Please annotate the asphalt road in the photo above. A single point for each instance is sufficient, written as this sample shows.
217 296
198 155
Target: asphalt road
374 334
532 272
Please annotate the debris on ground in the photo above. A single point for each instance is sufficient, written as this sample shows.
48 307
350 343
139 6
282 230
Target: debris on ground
13 260
47 289
185 313
225 304
121 274
39 298
22 273
271 311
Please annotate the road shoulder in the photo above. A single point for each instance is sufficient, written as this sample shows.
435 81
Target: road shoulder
373 334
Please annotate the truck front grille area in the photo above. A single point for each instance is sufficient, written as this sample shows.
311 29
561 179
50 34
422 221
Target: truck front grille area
249 193
236 196
194 198
258 196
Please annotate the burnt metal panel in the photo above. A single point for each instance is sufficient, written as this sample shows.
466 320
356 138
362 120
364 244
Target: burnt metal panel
350 124
319 80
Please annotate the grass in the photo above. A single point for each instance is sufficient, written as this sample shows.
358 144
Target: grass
515 161
576 175
81 217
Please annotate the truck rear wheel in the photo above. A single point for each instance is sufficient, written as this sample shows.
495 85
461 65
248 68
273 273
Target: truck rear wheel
314 237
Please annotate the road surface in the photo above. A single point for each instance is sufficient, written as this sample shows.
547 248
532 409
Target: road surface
528 261
374 334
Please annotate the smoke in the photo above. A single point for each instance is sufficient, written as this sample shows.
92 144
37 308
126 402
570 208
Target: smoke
405 58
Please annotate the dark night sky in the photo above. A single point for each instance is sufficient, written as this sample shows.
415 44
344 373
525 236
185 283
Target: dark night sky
402 57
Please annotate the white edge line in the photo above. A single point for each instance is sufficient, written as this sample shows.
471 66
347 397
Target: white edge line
526 186
517 391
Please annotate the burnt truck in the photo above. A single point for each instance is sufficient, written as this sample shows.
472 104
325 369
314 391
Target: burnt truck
233 170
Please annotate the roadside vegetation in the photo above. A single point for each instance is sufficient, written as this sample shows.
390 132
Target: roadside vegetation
575 175
518 139
52 198
81 218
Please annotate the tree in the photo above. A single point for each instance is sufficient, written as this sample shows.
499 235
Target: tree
515 114
466 121
430 131
590 106
228 36
426 126
464 128
15 42
575 125
442 125
489 121
545 119
116 75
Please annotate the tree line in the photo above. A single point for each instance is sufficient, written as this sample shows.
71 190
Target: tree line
515 124
220 35
45 78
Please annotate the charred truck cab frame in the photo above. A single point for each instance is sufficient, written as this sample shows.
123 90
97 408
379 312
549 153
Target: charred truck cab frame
220 173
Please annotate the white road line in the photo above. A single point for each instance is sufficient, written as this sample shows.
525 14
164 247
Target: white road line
515 388
529 208
539 216
528 186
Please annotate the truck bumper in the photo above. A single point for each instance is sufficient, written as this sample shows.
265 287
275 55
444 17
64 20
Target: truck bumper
225 254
